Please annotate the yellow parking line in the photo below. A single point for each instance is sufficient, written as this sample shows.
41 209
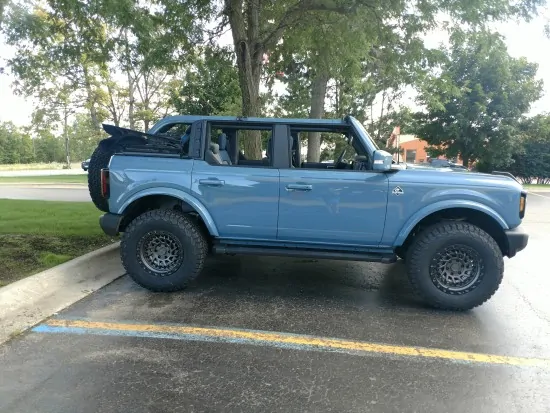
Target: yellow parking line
303 342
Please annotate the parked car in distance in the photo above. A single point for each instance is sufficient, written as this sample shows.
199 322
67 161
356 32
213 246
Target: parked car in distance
176 198
444 163
85 164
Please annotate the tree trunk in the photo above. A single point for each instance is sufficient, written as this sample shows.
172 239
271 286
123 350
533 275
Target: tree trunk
249 51
91 99
249 80
130 83
112 108
66 135
466 160
130 100
317 111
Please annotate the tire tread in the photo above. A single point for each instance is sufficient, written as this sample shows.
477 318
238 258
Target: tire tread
180 220
98 160
431 235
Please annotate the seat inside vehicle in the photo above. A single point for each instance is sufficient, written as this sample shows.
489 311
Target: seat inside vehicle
223 152
213 156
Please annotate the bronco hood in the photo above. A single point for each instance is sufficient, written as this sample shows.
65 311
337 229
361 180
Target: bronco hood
455 177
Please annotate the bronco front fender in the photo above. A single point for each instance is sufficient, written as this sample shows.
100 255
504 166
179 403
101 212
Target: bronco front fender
176 193
440 206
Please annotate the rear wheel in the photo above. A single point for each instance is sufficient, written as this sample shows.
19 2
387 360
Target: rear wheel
455 266
163 250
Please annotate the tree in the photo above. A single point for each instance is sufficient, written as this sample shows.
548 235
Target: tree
382 128
2 6
532 159
82 43
58 41
358 51
15 145
83 137
474 104
209 86
49 148
257 27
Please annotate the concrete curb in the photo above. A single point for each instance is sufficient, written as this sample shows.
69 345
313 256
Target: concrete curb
26 302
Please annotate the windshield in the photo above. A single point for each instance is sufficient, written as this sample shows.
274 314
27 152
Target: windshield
362 131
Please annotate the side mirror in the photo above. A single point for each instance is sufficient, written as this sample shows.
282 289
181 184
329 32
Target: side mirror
382 161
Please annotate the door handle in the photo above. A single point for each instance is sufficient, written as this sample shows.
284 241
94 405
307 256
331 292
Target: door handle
211 182
299 187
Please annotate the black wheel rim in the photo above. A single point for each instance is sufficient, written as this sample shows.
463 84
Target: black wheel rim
160 252
456 269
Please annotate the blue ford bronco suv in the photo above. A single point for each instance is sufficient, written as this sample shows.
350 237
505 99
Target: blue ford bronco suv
185 190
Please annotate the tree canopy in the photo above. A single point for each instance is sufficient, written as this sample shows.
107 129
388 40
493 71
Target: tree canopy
129 63
531 160
475 101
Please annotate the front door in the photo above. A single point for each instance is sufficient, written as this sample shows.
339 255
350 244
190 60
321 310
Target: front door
330 206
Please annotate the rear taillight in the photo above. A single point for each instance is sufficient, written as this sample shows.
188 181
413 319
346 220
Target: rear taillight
105 183
522 202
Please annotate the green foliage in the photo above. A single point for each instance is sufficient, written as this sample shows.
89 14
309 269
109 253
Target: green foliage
381 128
532 159
73 54
15 146
49 148
2 6
475 101
210 85
83 138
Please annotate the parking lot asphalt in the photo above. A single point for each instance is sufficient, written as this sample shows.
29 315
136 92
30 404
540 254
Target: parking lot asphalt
273 334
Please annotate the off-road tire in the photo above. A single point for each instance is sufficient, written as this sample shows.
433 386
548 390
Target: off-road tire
192 240
432 241
100 159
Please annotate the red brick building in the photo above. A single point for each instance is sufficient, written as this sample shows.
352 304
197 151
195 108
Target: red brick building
412 148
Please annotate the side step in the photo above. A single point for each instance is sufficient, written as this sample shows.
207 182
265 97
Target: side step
304 253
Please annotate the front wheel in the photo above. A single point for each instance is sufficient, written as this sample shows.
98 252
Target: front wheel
163 250
455 266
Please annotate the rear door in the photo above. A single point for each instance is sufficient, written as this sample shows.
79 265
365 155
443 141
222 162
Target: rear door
242 198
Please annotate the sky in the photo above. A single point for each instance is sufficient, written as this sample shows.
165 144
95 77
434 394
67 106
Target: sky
523 39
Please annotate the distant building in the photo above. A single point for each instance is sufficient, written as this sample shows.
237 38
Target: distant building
412 148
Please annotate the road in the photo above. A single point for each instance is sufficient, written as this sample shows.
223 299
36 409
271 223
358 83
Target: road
43 192
271 334
76 170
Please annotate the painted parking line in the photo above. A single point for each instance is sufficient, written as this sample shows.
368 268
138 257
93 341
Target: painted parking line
274 339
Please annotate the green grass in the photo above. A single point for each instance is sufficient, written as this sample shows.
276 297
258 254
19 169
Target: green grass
47 179
36 235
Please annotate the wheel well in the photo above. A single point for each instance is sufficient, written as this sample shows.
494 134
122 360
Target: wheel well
472 216
152 202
